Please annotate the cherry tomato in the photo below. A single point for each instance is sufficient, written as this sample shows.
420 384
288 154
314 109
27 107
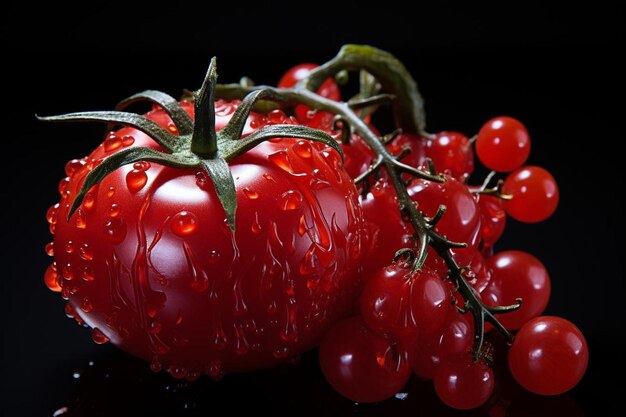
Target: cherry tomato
535 194
549 355
503 144
518 274
451 153
360 365
462 383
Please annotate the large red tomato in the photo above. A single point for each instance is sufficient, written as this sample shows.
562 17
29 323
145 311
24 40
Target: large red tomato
149 262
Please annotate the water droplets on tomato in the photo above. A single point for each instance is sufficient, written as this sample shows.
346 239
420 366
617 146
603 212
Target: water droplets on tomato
86 305
303 149
184 223
281 352
52 214
80 219
63 185
115 230
256 226
51 278
72 166
69 246
290 332
268 177
142 165
67 272
290 200
128 140
202 180
281 160
276 116
50 248
88 201
85 252
136 180
252 195
87 274
111 192
98 337
112 143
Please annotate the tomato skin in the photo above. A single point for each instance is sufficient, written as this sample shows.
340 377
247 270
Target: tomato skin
152 264
462 383
452 153
503 144
535 194
517 274
549 356
361 365
402 304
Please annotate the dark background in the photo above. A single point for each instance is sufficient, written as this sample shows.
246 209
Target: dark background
556 69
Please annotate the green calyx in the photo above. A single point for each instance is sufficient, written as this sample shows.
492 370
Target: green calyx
197 145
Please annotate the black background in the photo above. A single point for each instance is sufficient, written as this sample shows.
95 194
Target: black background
554 68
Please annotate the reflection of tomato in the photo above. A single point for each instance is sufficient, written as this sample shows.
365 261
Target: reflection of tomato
149 262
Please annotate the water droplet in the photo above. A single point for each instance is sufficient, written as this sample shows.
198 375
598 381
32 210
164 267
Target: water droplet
155 365
87 274
303 149
80 219
214 257
290 200
114 210
69 246
67 272
302 226
135 180
72 166
252 195
184 223
63 185
154 327
51 278
69 311
172 127
86 305
50 249
240 345
290 332
281 352
281 160
272 308
219 338
214 370
74 289
115 230
65 293
308 263
142 165
85 252
89 201
128 140
202 180
256 226
52 214
178 372
179 317
112 142
276 116
268 177
98 337
111 192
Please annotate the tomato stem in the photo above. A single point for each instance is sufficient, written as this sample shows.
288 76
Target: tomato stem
204 138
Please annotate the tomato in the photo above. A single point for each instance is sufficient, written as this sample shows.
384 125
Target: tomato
503 144
451 152
414 143
387 231
462 383
361 365
518 274
534 192
402 304
328 89
493 219
549 356
454 336
149 262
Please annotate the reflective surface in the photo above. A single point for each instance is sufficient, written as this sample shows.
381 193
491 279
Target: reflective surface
119 385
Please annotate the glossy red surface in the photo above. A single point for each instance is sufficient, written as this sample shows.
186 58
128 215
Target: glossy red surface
549 356
361 365
503 144
535 194
462 383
